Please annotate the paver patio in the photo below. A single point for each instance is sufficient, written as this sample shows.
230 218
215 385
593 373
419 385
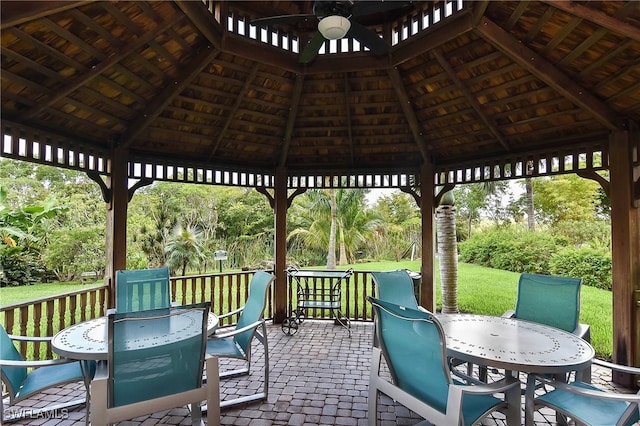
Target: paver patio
319 376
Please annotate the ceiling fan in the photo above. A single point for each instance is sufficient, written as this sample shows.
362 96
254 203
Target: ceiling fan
335 22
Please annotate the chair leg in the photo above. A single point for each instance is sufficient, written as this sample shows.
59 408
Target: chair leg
373 389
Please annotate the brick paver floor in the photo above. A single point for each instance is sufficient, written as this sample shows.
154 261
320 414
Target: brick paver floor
319 376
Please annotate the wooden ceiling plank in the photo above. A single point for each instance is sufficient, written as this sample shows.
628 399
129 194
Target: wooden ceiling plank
46 49
96 71
517 13
166 95
409 113
17 12
540 23
605 59
540 67
472 100
347 96
232 112
296 97
600 18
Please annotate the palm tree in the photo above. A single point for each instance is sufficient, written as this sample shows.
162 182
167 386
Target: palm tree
334 219
447 252
184 249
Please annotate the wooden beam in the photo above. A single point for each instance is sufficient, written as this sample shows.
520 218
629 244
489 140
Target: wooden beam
291 119
429 39
203 20
409 113
471 99
189 72
97 71
347 96
600 18
232 112
544 70
14 13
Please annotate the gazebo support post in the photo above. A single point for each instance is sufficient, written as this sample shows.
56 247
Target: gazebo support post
280 264
625 247
427 287
116 232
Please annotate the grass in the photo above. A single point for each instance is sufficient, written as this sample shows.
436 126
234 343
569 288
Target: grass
480 290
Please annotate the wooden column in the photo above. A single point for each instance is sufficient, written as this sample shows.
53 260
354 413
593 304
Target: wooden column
625 249
428 287
280 311
116 249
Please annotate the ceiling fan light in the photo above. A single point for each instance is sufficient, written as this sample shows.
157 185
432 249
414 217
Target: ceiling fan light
334 27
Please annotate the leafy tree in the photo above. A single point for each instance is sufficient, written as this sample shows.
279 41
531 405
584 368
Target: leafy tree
75 250
566 198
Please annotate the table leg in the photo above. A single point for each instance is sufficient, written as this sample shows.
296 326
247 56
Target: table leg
529 396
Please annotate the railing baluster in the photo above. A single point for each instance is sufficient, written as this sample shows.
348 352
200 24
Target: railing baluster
226 291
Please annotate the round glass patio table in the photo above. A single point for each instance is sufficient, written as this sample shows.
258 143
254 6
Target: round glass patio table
88 340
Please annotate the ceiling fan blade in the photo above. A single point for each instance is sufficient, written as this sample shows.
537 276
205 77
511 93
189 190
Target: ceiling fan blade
284 19
311 49
364 8
367 37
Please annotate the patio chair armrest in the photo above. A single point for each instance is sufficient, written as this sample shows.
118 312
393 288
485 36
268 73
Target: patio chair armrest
617 367
500 386
236 331
21 338
583 331
586 391
231 313
509 314
35 363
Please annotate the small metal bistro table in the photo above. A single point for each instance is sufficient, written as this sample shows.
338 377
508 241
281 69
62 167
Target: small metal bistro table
516 345
321 290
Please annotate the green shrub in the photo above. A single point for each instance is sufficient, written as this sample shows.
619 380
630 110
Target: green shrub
516 251
592 265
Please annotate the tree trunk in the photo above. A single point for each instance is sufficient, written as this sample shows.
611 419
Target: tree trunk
531 221
448 257
331 255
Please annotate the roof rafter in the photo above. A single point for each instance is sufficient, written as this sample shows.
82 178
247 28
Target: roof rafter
544 70
98 69
291 120
473 101
234 109
599 18
166 95
14 13
409 113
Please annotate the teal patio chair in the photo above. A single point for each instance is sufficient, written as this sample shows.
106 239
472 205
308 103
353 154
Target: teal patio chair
141 378
236 343
584 403
20 382
414 348
396 287
551 300
142 289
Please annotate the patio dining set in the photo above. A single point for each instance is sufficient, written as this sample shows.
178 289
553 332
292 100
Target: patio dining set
149 359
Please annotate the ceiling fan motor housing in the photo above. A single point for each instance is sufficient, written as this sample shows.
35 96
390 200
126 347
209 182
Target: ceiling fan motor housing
323 9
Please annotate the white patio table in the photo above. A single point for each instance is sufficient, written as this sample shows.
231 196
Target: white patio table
516 345
88 340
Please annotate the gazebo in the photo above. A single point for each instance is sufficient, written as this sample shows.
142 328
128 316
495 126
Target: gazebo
422 94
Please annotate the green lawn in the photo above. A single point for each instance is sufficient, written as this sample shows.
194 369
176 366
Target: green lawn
481 291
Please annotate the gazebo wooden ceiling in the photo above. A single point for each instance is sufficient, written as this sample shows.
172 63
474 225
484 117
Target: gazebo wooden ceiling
186 83
468 91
